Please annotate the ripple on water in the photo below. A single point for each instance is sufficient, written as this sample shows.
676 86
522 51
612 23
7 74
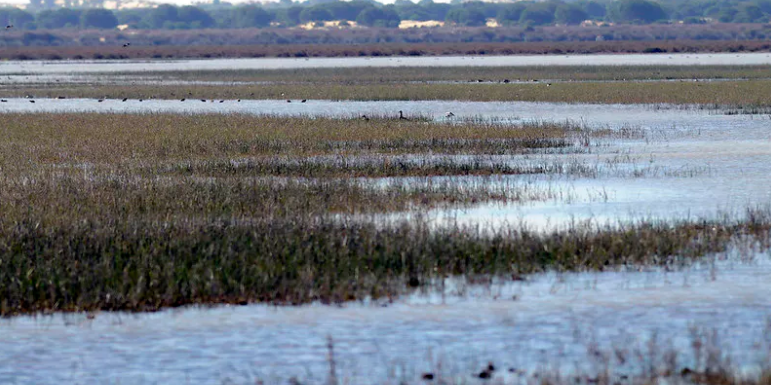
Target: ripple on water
554 320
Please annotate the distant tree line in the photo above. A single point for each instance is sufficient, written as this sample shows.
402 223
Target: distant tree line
370 13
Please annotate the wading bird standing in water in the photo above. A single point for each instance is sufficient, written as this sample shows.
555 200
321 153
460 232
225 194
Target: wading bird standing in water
449 114
401 116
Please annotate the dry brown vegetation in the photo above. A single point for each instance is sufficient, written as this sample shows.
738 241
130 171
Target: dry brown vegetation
168 50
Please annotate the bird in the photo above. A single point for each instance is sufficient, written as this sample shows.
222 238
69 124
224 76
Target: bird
100 100
124 99
365 117
401 116
449 114
203 100
239 100
32 101
182 100
126 45
304 100
3 101
140 100
222 101
9 26
548 84
288 101
60 97
487 372
506 81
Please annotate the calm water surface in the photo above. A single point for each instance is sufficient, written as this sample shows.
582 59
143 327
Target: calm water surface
552 323
84 66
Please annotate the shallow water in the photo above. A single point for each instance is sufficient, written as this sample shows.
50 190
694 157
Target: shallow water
722 171
593 115
688 163
84 66
698 163
552 322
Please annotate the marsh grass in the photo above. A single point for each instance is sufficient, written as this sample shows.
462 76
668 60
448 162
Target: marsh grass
97 215
465 74
139 264
75 138
723 94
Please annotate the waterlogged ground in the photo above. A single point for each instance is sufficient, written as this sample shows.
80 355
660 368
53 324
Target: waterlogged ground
593 115
675 179
555 322
675 162
86 66
664 162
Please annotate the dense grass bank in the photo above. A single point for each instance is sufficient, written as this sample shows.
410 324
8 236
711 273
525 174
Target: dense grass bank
108 263
709 94
152 138
469 73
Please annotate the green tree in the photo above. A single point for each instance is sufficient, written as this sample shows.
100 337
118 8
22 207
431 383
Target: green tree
466 17
289 16
130 16
164 14
637 11
750 13
385 17
345 10
727 15
16 17
98 18
569 14
60 18
248 16
509 14
594 9
537 14
195 17
315 14
435 11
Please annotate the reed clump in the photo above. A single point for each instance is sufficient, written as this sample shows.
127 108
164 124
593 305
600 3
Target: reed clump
141 212
136 264
113 138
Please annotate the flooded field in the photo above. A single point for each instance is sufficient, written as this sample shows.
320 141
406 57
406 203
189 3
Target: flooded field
336 242
549 324
63 66
593 115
